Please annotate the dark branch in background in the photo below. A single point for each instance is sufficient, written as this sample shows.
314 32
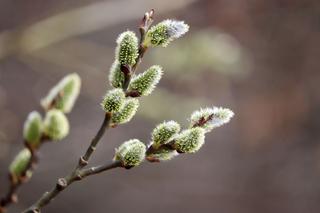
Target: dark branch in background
16 179
11 196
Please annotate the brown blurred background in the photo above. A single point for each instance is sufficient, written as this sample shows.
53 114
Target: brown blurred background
260 58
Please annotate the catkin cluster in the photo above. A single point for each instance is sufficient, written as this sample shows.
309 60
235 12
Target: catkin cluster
120 104
53 127
167 139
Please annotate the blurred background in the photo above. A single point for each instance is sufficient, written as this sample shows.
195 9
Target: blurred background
259 58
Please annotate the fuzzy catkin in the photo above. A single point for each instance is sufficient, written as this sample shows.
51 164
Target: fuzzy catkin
127 48
126 112
113 100
165 32
145 82
130 153
64 94
56 125
210 118
164 132
32 129
20 163
190 140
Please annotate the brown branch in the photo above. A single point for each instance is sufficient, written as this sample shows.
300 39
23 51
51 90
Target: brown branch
84 160
16 182
63 183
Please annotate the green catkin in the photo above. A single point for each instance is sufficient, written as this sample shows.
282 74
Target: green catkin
56 125
127 48
210 118
162 154
32 129
20 163
164 133
190 140
116 76
64 94
126 113
165 32
130 153
113 100
145 82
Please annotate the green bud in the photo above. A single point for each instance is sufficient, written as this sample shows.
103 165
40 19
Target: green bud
127 49
56 125
131 153
32 129
164 133
64 94
190 140
165 32
127 111
210 118
20 163
113 100
162 154
116 76
145 82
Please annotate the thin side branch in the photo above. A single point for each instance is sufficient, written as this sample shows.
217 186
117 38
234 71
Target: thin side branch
16 182
63 183
99 169
94 142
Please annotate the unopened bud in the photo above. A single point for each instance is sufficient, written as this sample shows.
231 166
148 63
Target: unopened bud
56 125
32 129
20 163
64 94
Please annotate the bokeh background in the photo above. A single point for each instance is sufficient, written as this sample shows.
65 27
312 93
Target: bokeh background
259 58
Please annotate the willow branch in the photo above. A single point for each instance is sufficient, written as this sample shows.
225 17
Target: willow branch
99 169
65 182
83 161
15 183
79 172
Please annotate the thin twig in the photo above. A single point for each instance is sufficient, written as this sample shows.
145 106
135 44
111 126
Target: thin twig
16 182
84 160
63 183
